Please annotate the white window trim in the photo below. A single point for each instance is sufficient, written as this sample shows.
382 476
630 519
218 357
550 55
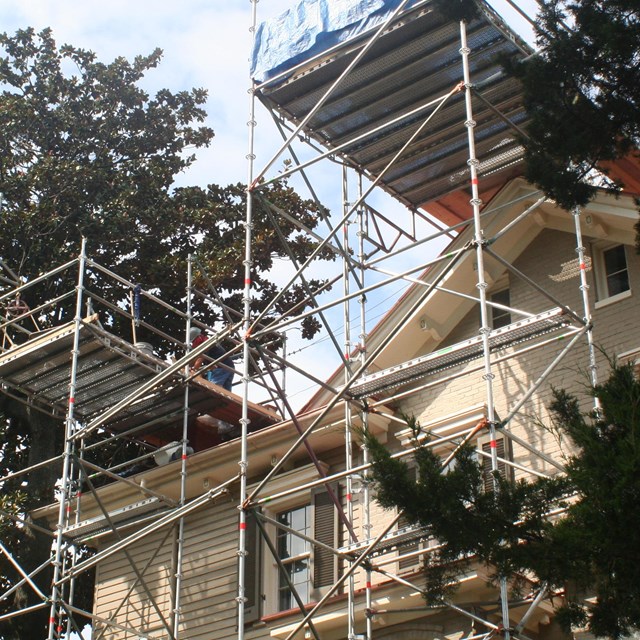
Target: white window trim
605 302
599 275
280 484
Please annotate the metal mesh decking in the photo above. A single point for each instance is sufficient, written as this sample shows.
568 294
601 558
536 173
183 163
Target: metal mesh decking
458 353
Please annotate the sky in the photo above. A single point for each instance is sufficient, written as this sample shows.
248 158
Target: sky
206 43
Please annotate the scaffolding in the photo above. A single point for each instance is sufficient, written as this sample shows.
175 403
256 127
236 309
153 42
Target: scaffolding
416 106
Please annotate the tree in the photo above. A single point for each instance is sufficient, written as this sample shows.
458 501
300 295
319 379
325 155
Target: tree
87 152
582 94
581 91
589 551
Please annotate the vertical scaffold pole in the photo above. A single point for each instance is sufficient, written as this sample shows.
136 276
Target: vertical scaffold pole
242 521
348 443
366 494
183 467
485 329
65 503
584 289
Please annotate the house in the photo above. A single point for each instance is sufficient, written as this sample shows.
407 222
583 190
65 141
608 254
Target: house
531 296
430 366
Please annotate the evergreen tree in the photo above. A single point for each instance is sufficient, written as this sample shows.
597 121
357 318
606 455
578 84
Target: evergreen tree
582 94
588 552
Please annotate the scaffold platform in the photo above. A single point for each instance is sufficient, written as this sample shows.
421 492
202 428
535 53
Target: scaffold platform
394 89
109 369
459 353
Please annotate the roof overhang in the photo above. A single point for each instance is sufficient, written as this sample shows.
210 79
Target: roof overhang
213 467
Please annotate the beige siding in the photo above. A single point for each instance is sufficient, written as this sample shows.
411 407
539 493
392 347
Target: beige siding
209 588
544 261
120 595
208 594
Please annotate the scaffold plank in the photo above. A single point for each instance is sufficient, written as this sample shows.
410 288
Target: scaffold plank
374 110
459 353
109 369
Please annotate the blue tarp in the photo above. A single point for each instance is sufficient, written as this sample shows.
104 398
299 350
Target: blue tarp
313 26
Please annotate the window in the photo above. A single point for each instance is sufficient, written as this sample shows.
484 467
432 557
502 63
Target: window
500 317
615 270
611 272
445 434
312 569
295 555
309 568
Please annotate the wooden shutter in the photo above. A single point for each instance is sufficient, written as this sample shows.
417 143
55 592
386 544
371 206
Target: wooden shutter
504 451
325 529
253 573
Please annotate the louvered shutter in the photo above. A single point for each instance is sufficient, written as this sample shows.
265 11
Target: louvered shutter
408 547
252 610
505 471
324 563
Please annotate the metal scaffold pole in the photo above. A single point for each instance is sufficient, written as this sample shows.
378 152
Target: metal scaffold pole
485 328
348 441
183 464
362 347
244 421
584 289
65 488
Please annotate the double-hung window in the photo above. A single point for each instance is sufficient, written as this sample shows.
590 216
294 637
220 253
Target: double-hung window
294 553
611 273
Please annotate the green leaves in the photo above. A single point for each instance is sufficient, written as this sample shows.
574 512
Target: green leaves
582 93
86 151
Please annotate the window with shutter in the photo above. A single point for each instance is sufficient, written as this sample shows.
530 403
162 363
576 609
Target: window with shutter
311 569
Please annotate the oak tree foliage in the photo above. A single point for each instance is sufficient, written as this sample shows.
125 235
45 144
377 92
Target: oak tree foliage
85 150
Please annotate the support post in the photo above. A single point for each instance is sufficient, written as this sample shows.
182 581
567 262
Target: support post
485 329
244 421
56 592
183 465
